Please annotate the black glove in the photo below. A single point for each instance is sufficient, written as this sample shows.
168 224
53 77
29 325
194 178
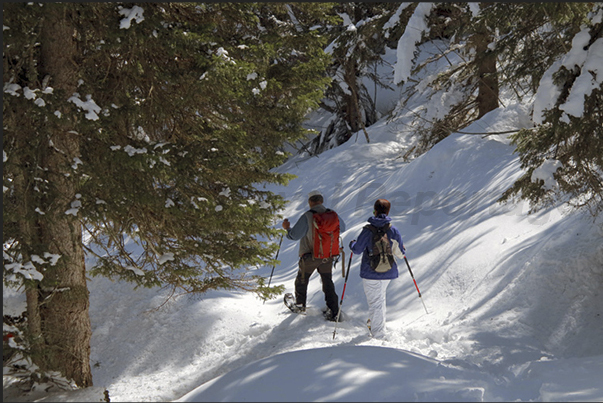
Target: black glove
352 242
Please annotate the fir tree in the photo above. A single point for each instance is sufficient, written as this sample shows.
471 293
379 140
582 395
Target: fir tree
489 47
568 134
142 134
449 29
356 47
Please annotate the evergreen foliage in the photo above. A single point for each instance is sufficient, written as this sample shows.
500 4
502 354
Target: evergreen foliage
573 139
164 127
179 133
450 29
156 125
500 46
356 47
526 50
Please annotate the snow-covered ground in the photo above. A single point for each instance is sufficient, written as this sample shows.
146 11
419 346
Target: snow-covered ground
514 300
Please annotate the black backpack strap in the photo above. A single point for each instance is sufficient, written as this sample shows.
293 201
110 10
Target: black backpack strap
374 229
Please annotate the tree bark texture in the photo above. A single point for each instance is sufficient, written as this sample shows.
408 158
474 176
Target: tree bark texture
62 296
487 98
353 111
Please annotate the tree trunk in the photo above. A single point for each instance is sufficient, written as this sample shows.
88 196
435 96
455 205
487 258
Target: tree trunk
353 111
487 98
62 297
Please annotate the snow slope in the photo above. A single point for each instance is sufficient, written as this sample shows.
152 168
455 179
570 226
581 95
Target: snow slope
514 299
506 291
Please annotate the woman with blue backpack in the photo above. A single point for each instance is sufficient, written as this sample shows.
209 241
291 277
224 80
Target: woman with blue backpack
378 242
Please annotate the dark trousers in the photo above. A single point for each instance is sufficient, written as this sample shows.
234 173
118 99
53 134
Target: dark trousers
307 265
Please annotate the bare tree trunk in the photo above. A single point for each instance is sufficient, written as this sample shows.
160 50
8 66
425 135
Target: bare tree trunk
62 298
28 237
487 98
353 112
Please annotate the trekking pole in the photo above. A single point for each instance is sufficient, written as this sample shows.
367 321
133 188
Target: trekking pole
276 257
342 253
417 287
343 293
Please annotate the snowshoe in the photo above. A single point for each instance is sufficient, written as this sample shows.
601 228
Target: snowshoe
289 301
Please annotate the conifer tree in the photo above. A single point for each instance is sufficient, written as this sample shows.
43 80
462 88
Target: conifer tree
356 47
567 140
489 47
139 135
531 36
452 93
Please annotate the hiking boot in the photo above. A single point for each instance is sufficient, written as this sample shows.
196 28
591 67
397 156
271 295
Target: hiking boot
300 308
328 314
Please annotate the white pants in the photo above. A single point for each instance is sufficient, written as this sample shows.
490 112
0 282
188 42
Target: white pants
375 296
